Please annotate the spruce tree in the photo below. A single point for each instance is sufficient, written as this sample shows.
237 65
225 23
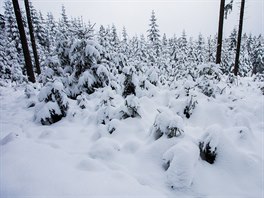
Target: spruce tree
124 35
258 57
153 34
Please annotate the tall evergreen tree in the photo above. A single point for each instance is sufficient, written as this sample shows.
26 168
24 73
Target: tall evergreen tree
124 35
153 33
258 57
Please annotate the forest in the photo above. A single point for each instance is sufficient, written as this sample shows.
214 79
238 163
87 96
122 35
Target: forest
88 113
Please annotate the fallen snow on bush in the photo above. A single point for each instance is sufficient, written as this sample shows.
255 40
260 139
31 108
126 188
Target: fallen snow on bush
95 152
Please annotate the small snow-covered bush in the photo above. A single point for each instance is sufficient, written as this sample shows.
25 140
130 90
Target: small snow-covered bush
129 86
112 125
106 109
53 104
82 100
180 161
210 71
209 76
167 124
188 110
153 76
258 77
131 108
209 142
87 82
145 87
29 91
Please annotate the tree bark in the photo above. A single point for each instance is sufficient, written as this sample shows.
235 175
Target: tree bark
29 68
239 37
32 37
220 32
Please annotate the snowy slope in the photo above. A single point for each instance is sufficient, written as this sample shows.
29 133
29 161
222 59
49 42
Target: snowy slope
77 157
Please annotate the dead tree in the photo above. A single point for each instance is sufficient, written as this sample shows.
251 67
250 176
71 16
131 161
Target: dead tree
32 37
220 32
239 37
28 63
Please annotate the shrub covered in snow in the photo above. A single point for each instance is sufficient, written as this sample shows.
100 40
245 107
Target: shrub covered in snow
209 76
190 106
53 104
131 108
29 91
168 124
209 142
152 76
82 100
106 109
129 86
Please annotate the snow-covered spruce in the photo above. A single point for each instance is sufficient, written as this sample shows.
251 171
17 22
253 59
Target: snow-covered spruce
209 142
53 104
129 85
30 92
106 109
190 106
131 107
152 76
82 100
85 73
168 124
208 78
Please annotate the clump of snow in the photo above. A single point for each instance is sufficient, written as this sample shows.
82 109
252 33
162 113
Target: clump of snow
181 160
8 138
104 148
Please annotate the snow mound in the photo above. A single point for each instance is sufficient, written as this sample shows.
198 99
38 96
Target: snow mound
104 148
180 161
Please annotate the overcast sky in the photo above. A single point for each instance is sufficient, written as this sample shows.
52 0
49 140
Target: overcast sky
172 15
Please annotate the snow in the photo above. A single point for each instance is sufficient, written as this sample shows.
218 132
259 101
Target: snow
79 157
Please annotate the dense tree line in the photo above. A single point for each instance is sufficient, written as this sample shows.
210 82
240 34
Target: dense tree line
56 44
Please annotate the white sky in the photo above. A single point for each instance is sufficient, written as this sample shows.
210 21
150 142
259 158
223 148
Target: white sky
172 15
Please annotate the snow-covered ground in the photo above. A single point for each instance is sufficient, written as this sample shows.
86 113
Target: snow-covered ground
77 157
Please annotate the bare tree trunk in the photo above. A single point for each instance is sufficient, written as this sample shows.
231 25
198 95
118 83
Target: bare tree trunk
32 37
220 32
29 68
239 37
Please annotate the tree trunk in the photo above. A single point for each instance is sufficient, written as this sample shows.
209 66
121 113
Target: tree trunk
239 37
24 43
220 32
32 37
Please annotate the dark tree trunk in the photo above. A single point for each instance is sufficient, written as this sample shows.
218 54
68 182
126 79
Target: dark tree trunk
32 37
239 37
24 43
220 32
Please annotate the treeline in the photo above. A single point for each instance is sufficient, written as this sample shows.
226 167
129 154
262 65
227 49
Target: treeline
62 45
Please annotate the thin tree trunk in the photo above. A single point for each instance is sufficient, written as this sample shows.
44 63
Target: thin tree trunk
29 68
220 32
239 37
32 37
